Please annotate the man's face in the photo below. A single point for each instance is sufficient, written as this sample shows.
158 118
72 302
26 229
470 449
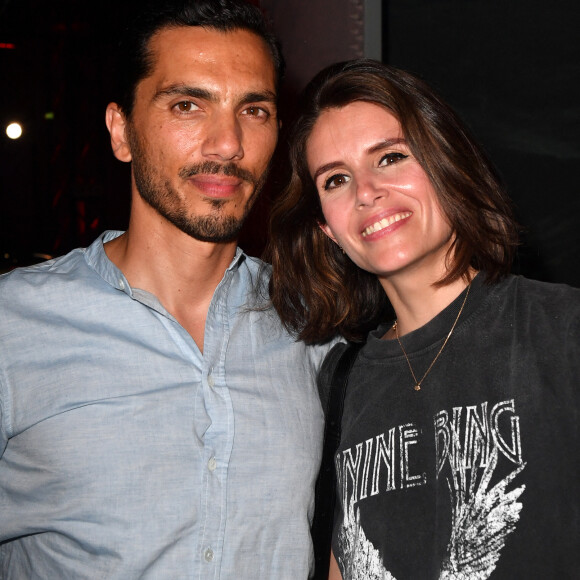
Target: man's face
203 129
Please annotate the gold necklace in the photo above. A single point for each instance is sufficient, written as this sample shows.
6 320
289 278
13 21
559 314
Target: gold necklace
417 386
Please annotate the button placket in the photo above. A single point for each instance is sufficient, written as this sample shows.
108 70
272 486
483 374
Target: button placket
218 438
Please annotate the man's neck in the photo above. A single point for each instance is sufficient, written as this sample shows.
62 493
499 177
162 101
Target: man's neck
180 271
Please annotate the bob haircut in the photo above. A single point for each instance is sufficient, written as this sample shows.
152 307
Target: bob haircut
135 59
316 289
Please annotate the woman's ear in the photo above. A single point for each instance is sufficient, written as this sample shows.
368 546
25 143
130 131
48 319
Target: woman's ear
327 231
117 125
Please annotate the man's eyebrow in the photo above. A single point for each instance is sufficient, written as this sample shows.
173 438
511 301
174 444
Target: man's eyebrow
258 97
181 90
185 91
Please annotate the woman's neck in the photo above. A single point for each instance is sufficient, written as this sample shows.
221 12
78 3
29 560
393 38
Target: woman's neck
417 301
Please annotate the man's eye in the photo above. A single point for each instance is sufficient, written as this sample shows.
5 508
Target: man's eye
257 112
391 158
185 106
335 181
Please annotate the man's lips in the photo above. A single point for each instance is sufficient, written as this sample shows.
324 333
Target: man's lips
385 222
216 185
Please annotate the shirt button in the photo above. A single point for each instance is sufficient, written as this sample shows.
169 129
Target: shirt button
121 284
212 464
208 555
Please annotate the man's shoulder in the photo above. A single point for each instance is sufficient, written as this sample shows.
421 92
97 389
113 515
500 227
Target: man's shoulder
40 278
258 301
252 282
77 264
257 267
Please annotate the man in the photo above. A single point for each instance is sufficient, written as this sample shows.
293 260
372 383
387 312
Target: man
155 419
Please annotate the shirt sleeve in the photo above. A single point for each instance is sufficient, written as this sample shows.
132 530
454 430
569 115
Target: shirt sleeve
326 371
3 428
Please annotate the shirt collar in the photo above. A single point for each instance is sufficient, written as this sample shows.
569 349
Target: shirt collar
99 261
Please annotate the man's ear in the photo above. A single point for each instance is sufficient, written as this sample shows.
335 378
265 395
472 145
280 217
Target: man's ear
117 125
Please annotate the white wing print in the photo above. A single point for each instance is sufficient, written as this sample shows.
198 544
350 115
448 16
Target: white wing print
482 519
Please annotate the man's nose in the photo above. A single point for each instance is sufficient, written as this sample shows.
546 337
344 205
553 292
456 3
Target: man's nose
223 139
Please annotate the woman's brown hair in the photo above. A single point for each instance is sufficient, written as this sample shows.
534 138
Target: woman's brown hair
316 289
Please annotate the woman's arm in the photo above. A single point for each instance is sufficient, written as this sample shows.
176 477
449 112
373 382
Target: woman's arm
334 572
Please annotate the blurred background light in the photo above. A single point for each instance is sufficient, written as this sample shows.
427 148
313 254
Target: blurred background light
14 130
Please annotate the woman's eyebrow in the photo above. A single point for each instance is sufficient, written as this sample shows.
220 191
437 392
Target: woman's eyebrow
324 168
386 144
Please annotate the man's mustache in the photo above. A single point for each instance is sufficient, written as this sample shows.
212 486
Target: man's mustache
214 168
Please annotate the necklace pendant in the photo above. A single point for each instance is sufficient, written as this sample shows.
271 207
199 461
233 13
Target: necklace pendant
417 386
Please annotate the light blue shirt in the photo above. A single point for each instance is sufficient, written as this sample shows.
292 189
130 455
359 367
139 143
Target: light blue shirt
127 453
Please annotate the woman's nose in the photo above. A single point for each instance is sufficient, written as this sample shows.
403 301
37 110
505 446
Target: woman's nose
368 191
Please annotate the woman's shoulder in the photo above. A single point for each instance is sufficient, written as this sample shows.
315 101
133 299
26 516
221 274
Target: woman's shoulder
545 294
541 307
540 288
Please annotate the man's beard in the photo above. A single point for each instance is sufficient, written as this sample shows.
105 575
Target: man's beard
161 196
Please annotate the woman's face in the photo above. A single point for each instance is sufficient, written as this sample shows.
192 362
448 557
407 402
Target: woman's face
378 203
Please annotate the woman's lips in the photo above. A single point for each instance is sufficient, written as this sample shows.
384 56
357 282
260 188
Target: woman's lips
385 222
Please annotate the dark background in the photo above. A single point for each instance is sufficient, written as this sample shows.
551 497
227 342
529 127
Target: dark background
60 185
511 68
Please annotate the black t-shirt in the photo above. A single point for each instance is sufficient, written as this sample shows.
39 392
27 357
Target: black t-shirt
476 475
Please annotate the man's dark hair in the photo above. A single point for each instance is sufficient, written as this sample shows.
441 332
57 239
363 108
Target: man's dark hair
135 59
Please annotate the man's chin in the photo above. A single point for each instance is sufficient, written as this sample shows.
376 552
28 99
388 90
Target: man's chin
212 230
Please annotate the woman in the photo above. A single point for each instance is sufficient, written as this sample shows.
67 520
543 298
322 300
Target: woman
459 455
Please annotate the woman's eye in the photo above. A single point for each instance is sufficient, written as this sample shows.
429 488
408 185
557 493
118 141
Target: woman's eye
391 158
335 181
